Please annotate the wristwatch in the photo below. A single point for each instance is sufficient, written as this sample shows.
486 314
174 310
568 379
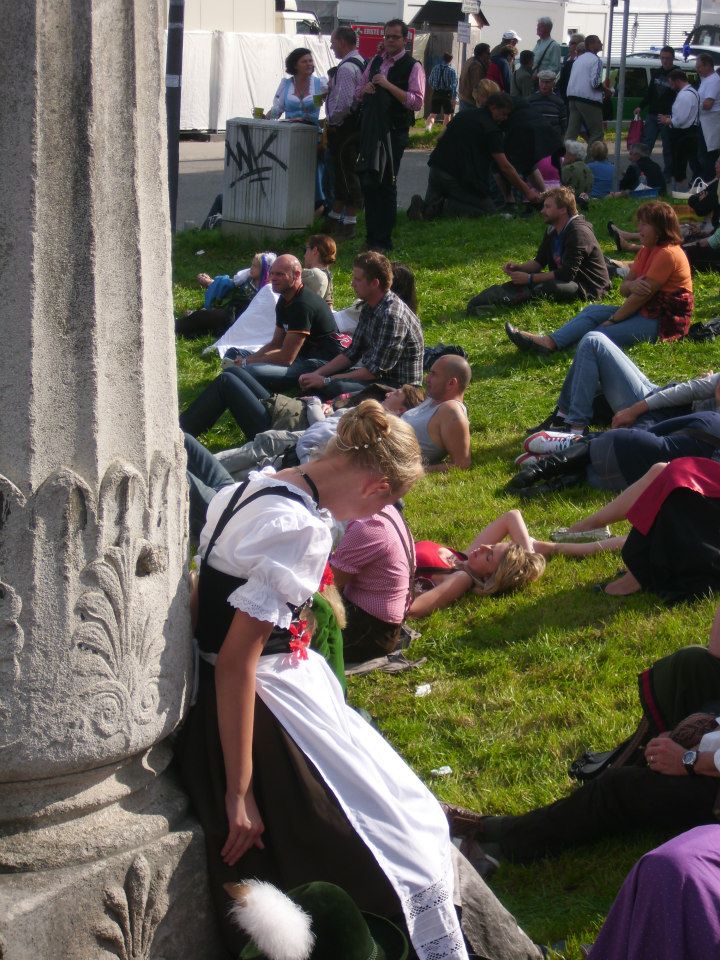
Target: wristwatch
689 759
327 381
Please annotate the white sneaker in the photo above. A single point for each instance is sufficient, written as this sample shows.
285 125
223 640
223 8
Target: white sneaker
527 460
550 441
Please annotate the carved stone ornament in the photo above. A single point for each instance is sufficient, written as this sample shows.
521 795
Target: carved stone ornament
134 911
94 624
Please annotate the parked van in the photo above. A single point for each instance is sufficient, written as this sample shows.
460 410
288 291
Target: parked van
637 77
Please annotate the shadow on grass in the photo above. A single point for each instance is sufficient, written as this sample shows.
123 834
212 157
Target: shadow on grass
577 609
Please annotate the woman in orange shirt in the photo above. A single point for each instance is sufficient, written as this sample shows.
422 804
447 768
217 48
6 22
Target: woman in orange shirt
658 291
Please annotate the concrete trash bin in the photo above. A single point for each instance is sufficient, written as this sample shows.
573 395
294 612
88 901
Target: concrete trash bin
269 187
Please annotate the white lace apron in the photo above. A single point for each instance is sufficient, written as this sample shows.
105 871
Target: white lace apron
395 814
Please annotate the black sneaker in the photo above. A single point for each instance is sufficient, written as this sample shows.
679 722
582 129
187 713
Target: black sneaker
551 422
415 210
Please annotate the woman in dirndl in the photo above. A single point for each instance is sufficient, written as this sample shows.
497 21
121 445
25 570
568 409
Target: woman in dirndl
289 783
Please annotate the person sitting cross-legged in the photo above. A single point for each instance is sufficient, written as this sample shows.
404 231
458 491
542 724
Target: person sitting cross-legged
569 264
658 291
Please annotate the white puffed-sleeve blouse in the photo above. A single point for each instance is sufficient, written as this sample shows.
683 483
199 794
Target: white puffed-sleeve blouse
278 545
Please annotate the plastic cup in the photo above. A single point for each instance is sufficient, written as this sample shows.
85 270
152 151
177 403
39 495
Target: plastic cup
318 99
258 113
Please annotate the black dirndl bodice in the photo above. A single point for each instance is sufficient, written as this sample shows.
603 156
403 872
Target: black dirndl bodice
215 614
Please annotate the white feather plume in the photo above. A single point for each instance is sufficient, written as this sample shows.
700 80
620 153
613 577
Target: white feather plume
277 925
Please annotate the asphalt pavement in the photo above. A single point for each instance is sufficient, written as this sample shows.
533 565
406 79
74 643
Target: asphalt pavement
201 179
202 167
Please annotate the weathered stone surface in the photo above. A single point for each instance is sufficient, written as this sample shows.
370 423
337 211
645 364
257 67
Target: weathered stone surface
145 904
98 853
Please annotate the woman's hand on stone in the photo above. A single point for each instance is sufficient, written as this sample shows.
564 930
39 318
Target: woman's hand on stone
245 827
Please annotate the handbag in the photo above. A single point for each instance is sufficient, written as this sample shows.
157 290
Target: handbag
635 131
703 202
591 764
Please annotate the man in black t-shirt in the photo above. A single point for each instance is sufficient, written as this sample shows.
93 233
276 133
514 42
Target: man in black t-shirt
461 165
305 332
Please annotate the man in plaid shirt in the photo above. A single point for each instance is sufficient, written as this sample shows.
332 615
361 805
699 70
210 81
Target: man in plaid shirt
387 344
444 84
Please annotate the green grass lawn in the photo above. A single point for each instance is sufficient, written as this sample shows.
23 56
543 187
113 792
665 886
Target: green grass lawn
520 683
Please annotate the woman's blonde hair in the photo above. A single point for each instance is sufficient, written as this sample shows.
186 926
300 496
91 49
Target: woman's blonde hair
517 567
483 88
598 151
372 439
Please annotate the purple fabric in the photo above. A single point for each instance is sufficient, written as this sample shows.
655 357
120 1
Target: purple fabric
669 905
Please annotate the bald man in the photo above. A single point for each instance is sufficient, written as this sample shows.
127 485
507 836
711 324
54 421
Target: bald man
305 332
441 421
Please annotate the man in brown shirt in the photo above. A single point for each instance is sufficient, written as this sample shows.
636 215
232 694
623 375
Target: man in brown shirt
472 73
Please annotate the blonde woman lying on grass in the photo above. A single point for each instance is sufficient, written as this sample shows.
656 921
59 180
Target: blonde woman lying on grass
502 557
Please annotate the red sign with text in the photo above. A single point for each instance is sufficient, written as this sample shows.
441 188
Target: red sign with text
370 36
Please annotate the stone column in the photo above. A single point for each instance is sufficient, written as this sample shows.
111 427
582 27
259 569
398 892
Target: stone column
98 855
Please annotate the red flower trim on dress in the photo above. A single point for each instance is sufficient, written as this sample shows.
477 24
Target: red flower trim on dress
300 640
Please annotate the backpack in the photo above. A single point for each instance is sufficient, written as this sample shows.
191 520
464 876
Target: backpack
702 332
431 354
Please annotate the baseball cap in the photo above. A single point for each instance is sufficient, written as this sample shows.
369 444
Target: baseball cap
547 75
511 35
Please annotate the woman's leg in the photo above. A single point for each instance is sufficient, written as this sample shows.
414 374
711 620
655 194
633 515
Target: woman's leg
199 323
231 391
636 329
588 319
702 258
617 509
600 366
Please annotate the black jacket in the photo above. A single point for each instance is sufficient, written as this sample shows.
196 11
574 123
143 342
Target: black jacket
659 97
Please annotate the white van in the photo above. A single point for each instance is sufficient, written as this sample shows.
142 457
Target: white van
637 76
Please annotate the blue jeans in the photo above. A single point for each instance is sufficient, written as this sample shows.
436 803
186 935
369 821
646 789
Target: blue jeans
234 390
652 129
279 379
600 366
636 329
206 475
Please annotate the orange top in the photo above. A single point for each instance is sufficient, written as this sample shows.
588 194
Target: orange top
667 266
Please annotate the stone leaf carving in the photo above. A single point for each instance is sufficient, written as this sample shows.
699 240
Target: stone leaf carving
134 912
12 639
118 644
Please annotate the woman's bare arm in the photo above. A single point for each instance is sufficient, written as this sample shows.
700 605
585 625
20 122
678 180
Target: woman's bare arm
548 549
235 689
452 588
714 641
510 524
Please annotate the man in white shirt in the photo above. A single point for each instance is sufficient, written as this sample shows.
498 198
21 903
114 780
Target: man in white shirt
709 93
585 93
683 126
